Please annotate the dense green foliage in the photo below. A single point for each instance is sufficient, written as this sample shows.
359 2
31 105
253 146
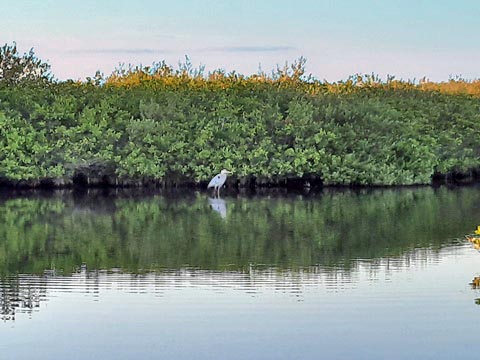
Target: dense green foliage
18 68
171 126
134 233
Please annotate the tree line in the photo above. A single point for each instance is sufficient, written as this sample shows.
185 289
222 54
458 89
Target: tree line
161 125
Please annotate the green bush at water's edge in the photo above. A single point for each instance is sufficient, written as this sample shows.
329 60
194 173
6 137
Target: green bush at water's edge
160 125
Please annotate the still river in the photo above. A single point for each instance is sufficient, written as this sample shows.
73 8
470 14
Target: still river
338 274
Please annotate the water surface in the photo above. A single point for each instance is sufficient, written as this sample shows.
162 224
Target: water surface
368 274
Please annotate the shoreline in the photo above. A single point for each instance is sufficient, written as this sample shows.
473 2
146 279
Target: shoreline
250 183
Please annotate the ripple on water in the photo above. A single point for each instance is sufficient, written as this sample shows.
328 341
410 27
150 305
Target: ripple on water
25 293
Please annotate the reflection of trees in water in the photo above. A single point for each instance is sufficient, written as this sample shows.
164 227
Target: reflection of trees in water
135 231
330 240
24 294
20 295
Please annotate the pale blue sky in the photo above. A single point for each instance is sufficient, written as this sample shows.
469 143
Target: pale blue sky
406 38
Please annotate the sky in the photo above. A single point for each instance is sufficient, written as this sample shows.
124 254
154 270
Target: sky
410 39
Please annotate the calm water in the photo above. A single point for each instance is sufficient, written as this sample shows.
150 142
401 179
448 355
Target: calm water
381 274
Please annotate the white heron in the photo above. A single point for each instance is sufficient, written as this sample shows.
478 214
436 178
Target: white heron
218 181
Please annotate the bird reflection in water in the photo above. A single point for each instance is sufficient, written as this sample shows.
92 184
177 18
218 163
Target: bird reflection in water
219 205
